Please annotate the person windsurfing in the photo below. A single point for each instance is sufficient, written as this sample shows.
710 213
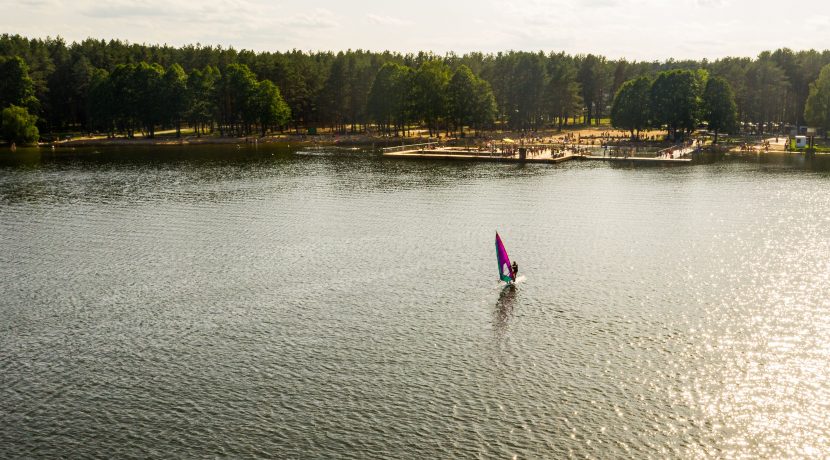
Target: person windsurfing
515 270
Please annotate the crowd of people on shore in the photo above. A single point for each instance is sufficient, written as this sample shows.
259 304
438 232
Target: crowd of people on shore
762 147
559 146
532 146
538 149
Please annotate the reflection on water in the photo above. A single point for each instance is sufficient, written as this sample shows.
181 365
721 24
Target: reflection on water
504 307
240 302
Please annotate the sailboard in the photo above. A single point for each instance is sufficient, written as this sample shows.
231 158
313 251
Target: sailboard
505 269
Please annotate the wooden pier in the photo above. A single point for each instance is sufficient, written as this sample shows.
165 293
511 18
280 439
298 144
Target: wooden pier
639 160
473 155
430 151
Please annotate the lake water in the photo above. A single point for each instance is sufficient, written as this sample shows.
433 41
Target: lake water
224 302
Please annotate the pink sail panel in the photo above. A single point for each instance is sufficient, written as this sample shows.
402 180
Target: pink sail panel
505 269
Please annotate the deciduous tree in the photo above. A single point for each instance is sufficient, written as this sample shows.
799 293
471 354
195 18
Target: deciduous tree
675 101
18 126
430 93
817 109
461 97
270 107
631 109
719 109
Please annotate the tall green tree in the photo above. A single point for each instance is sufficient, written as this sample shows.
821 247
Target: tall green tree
675 101
82 73
590 77
527 91
430 93
235 93
363 67
136 92
563 93
734 70
817 108
201 101
719 109
631 108
390 99
174 89
809 63
461 97
16 87
271 109
65 106
381 96
792 103
767 86
148 87
497 71
471 101
334 97
99 104
484 105
123 97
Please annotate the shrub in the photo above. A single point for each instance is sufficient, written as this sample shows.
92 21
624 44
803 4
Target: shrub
17 125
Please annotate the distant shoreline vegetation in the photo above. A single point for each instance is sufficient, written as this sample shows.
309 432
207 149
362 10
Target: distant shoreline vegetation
114 88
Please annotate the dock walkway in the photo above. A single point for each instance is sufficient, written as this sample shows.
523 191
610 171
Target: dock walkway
676 156
474 155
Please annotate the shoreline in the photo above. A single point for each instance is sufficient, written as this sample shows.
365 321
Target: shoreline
299 139
584 136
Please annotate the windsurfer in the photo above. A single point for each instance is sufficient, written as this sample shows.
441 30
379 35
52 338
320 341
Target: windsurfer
515 270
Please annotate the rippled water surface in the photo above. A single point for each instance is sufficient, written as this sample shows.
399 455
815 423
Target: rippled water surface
224 302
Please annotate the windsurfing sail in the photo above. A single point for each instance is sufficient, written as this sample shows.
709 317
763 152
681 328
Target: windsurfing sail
505 269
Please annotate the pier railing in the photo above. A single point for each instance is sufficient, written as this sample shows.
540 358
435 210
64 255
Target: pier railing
404 148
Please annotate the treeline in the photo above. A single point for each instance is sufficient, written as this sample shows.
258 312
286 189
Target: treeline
118 87
144 96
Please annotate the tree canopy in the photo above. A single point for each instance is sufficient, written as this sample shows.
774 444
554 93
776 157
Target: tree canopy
632 109
719 108
675 101
470 99
16 87
17 125
430 93
817 107
115 87
389 103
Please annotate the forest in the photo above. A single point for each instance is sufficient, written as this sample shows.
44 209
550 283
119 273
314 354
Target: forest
49 87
